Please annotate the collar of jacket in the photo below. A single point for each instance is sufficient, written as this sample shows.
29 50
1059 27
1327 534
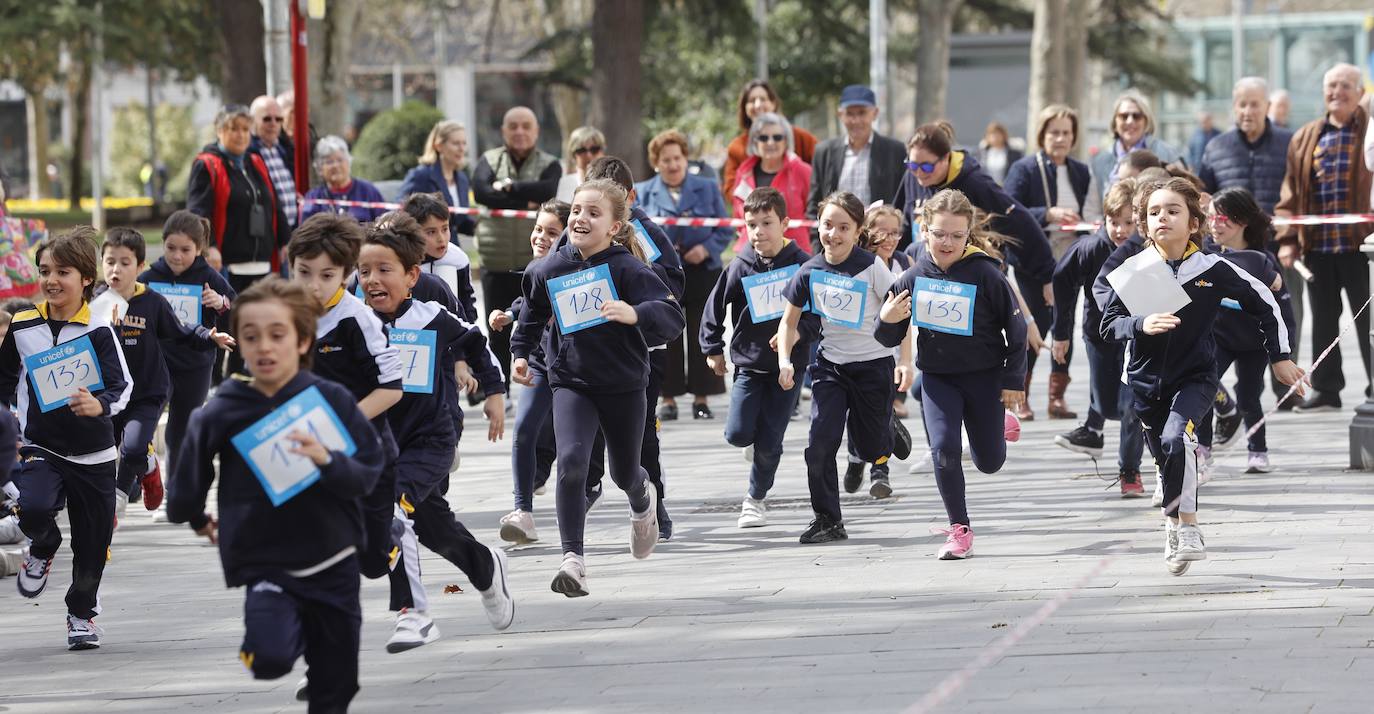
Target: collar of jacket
82 316
956 164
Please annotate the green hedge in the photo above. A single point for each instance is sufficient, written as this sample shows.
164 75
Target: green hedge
390 143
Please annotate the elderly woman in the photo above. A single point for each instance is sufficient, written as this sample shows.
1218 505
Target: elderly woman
1133 127
675 192
335 165
441 171
757 98
585 145
773 162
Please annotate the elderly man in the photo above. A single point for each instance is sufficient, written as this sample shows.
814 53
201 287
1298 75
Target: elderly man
276 151
1326 175
515 175
1279 104
863 162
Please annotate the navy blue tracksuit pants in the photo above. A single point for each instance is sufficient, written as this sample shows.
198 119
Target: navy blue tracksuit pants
857 395
973 402
577 416
1170 418
135 426
318 616
46 484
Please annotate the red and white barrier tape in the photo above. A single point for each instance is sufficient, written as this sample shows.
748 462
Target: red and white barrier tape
1344 218
516 213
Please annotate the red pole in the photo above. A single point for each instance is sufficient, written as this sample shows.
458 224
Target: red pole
301 109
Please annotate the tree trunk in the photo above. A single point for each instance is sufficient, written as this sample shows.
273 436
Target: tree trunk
617 99
80 97
1047 68
39 133
330 55
935 20
243 76
1076 18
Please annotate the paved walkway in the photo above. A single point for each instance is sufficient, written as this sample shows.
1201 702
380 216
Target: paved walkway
1278 619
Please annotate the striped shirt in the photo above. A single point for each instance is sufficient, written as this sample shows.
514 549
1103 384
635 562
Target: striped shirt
281 180
854 171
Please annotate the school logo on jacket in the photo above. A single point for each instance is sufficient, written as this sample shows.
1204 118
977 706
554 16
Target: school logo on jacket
327 349
1202 283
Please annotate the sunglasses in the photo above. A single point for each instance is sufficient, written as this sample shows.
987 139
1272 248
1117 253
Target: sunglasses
924 167
1131 116
273 119
1220 220
771 138
579 151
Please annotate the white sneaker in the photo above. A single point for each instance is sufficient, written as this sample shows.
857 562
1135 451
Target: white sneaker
303 690
160 515
496 600
1157 499
11 561
540 491
457 461
10 531
644 529
748 453
1190 545
121 505
922 466
1175 566
83 634
805 394
518 527
1258 463
571 579
753 514
33 576
413 628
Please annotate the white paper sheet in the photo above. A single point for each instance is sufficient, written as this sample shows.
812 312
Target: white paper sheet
1146 285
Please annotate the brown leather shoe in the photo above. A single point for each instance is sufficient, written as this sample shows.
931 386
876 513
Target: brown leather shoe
1024 412
1059 382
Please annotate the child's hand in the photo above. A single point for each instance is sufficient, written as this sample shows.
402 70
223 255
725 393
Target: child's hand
1060 351
520 372
903 377
1012 399
1034 340
309 447
85 405
210 530
211 299
897 308
620 311
717 364
786 375
1290 374
498 320
495 410
466 382
223 339
1160 323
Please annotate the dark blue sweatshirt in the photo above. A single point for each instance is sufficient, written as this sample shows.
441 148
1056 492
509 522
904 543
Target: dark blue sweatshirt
147 329
1077 271
749 348
351 348
1187 353
999 328
610 357
422 418
183 357
257 539
1237 331
667 259
81 440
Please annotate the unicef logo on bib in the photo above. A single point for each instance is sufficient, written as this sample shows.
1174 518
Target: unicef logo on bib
577 298
839 298
944 306
416 349
60 372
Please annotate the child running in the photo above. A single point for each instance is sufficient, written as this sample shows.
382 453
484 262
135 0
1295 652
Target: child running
752 288
853 376
295 457
62 370
1172 369
1077 269
970 348
145 326
442 257
609 308
423 333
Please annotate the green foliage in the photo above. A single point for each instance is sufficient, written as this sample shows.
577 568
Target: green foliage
176 145
390 143
1130 35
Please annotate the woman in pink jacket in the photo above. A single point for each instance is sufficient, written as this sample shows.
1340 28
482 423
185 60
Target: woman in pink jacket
772 162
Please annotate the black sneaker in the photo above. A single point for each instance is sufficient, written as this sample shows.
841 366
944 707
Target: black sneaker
824 530
592 498
901 440
701 411
665 524
1083 440
879 487
853 477
667 412
1319 402
1226 429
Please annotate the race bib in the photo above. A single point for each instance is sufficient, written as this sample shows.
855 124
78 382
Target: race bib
577 298
651 251
944 306
58 373
1230 303
838 298
184 299
267 450
763 292
416 349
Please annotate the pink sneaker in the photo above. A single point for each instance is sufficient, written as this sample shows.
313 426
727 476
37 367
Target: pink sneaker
958 542
1011 427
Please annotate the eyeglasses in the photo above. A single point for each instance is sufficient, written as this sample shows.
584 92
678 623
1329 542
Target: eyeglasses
273 119
594 149
1218 219
883 236
924 167
942 236
1131 116
771 138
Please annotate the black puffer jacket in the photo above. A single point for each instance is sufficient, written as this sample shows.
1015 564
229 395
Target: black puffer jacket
1231 160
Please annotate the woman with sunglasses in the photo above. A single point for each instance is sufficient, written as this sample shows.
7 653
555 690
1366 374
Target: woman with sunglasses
934 165
1133 127
585 145
773 162
757 98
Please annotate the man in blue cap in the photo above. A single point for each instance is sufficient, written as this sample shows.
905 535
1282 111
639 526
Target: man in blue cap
862 162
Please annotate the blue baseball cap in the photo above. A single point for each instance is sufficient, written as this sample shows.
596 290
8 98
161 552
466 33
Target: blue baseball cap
857 95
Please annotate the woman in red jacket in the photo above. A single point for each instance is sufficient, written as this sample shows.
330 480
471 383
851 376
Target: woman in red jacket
773 162
757 98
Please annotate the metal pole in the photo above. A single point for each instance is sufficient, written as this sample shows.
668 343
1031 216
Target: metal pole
277 44
877 52
1237 40
97 110
152 138
398 94
761 50
1362 426
301 110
